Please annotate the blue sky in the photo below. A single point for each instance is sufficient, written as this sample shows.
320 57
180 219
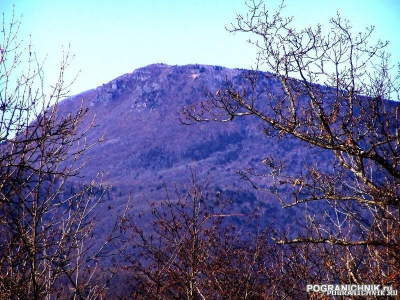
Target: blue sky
113 37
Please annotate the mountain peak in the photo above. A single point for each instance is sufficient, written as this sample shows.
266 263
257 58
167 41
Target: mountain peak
140 112
146 145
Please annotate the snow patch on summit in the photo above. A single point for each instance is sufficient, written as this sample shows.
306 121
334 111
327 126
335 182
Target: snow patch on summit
194 76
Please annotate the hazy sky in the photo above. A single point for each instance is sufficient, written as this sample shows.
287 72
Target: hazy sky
113 37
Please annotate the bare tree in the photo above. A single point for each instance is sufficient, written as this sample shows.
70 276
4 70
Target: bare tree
47 247
329 88
194 250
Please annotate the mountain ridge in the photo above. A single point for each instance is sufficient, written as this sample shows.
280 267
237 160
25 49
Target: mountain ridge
146 147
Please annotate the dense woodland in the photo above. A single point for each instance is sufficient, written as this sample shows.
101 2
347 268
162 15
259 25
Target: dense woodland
316 137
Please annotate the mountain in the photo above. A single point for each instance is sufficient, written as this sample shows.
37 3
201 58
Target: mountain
146 145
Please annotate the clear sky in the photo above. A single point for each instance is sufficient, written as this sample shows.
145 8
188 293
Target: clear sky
113 37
